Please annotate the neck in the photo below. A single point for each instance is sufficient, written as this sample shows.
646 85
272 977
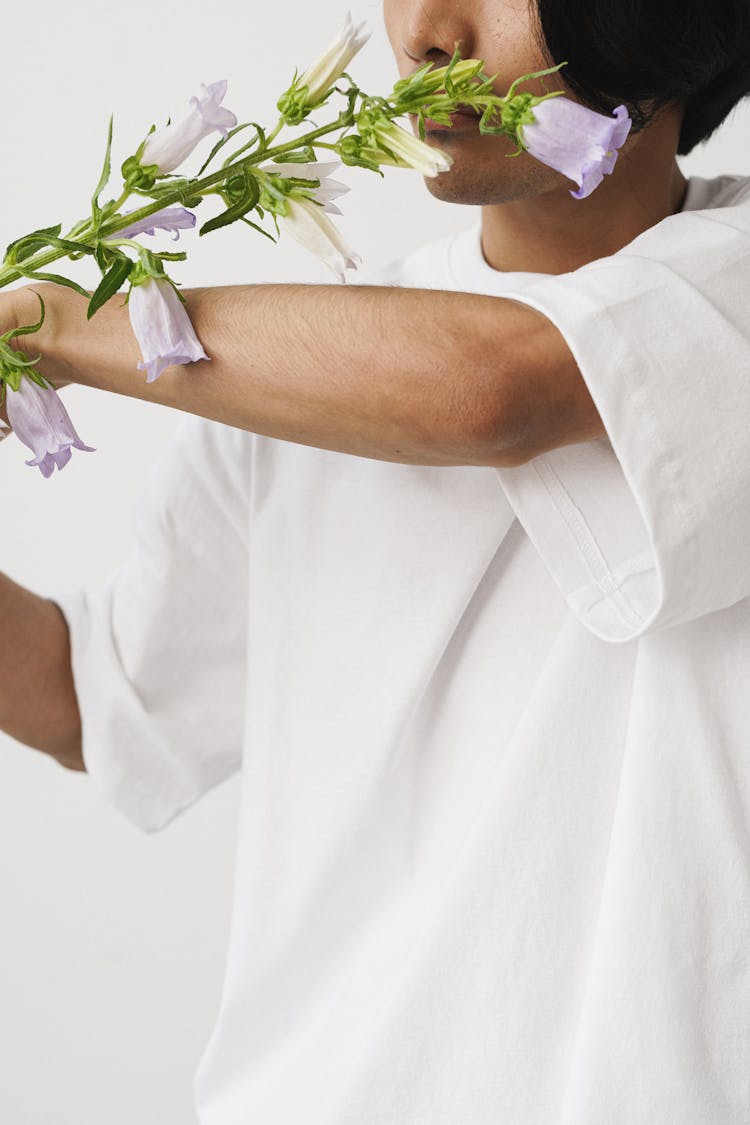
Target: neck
554 233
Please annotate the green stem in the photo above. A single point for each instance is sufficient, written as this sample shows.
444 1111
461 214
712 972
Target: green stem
279 126
202 186
197 187
124 242
115 207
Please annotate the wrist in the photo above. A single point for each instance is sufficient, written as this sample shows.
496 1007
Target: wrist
48 342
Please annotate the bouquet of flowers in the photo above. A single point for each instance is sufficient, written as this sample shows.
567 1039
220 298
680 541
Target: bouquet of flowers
268 182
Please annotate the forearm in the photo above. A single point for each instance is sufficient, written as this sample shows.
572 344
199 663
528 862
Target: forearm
38 703
406 375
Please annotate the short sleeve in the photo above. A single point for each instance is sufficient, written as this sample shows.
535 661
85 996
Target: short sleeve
159 652
649 527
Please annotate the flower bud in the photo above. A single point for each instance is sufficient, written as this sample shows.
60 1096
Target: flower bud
408 151
326 71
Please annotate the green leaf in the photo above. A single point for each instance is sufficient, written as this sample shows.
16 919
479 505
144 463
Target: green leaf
220 145
235 189
19 362
27 329
260 137
152 263
173 256
104 256
104 178
237 210
18 250
58 279
26 247
71 247
110 283
36 376
259 229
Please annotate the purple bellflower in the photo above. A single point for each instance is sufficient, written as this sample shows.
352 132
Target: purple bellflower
162 328
40 420
169 146
577 141
170 219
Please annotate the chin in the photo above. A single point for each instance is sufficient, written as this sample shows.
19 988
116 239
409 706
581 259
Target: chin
480 185
472 190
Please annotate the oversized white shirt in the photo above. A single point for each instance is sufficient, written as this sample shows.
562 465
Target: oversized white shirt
493 862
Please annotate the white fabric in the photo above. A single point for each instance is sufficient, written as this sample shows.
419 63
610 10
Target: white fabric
493 861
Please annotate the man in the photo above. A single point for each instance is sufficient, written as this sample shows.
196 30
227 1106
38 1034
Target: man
463 591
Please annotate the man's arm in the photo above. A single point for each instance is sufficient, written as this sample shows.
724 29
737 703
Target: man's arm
414 376
38 703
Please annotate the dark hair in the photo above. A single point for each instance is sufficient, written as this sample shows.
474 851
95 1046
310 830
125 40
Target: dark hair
650 54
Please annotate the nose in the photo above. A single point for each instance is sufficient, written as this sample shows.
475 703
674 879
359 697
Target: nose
432 31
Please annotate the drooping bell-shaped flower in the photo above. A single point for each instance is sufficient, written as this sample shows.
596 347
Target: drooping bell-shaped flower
408 150
308 223
325 192
169 146
321 75
162 328
307 209
170 219
577 141
40 420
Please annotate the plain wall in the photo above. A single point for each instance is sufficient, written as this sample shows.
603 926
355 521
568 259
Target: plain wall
112 942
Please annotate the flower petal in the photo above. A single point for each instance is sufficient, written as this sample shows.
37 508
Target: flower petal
576 141
169 219
321 75
162 328
307 223
40 420
410 151
328 189
169 146
208 104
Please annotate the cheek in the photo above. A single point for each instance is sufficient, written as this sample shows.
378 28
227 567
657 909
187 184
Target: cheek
510 48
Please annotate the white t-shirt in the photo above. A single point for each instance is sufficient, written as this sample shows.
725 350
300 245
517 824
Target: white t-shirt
493 726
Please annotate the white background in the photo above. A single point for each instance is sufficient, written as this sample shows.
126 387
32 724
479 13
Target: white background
112 942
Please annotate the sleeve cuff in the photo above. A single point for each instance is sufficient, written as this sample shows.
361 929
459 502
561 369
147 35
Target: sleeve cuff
648 527
125 753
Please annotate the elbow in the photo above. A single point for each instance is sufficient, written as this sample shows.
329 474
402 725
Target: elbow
524 390
498 438
490 420
69 755
488 428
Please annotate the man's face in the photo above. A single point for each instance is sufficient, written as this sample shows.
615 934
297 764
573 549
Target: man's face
501 32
